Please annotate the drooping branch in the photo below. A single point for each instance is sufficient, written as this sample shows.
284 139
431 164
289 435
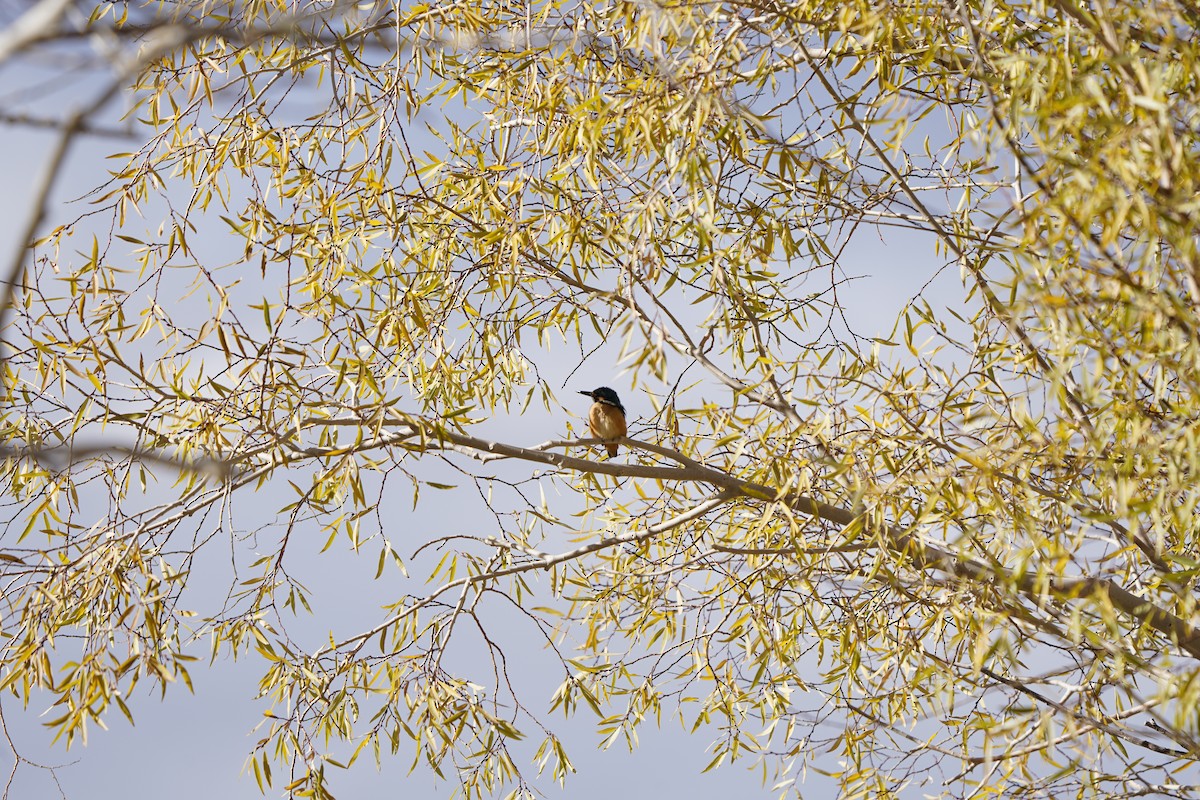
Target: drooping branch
1091 722
426 436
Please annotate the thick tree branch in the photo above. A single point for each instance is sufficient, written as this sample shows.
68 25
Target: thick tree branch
921 554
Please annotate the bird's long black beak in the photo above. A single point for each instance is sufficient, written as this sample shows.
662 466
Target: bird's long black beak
586 394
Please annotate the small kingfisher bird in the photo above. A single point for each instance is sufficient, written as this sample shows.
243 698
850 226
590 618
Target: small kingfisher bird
606 417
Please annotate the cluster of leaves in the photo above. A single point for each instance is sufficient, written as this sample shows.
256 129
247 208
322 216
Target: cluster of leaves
960 555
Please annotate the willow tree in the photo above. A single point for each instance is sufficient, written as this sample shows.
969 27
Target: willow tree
957 551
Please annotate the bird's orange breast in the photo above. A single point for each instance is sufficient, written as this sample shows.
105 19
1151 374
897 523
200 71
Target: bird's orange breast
606 422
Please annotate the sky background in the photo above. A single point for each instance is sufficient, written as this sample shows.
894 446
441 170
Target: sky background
195 745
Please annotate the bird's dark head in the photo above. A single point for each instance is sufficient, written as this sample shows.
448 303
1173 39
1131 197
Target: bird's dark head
605 395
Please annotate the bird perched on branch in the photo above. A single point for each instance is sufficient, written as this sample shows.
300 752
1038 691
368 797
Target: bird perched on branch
606 417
